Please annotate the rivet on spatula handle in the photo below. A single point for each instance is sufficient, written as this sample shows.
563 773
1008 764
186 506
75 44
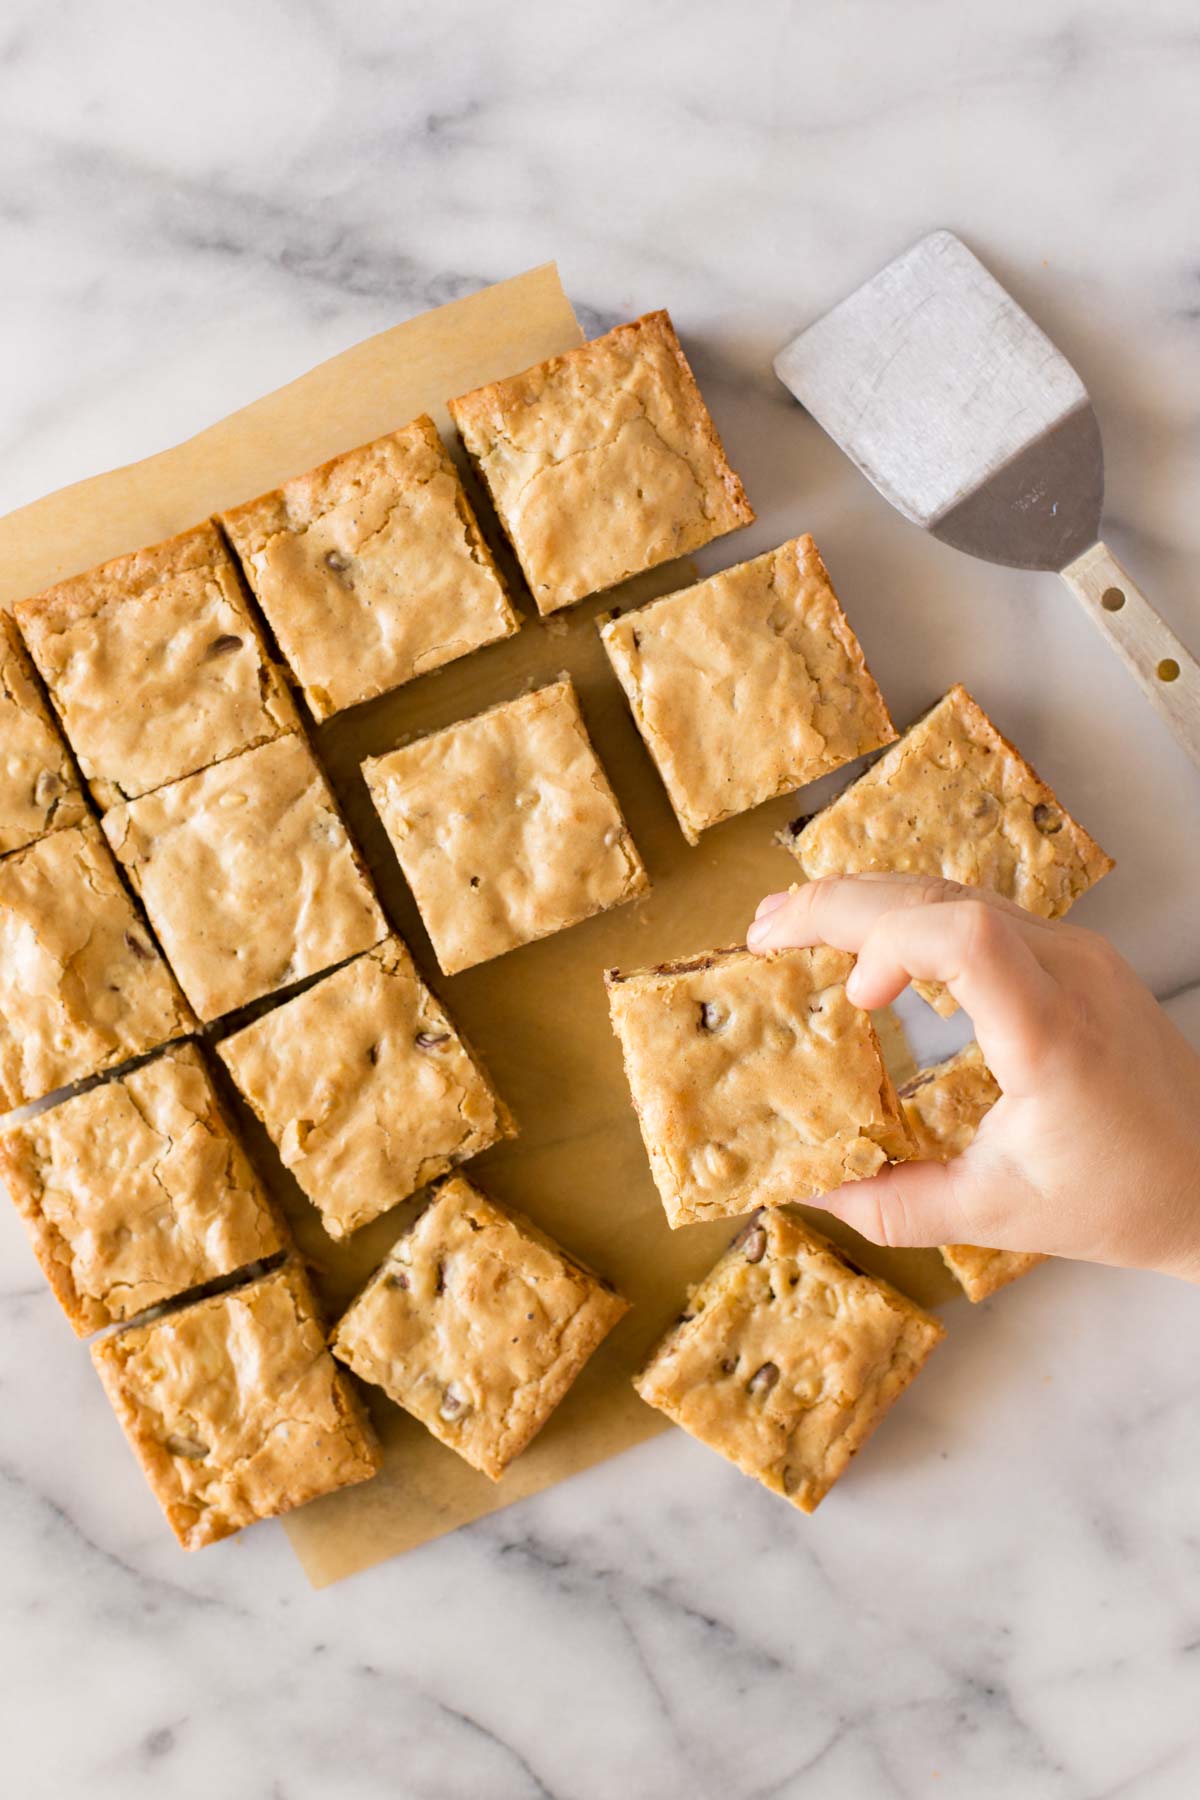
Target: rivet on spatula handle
1167 673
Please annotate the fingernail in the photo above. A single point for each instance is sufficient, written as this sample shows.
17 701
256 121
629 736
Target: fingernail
769 904
758 933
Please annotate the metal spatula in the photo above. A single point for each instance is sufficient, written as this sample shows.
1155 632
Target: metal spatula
966 417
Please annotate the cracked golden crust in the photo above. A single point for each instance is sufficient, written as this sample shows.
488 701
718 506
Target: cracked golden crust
137 1191
82 985
39 790
787 1358
945 1106
235 1408
365 1087
955 799
248 875
477 1324
602 462
506 827
754 1079
372 568
747 685
155 665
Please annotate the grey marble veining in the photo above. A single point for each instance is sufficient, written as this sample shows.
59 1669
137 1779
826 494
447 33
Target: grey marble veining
1004 1599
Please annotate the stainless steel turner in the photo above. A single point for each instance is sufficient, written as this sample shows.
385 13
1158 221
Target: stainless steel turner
965 416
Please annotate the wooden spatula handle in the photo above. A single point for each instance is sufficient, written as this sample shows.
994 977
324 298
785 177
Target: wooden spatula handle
1166 672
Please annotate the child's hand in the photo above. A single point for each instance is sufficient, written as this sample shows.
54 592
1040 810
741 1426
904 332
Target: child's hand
1093 1149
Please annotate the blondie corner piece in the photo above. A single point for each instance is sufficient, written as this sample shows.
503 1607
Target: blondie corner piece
235 1408
954 798
365 1088
39 790
136 1191
155 665
602 463
945 1105
787 1357
372 569
82 986
748 685
248 875
754 1079
477 1324
506 827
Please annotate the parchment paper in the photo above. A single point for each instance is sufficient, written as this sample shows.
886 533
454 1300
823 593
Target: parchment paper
538 1015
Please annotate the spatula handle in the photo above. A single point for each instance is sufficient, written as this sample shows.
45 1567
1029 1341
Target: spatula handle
1167 673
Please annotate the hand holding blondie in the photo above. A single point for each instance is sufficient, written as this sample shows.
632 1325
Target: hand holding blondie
1093 1149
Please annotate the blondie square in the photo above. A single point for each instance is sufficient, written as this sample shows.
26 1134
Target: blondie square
954 798
477 1324
365 1087
39 790
602 463
155 665
82 985
506 827
235 1408
945 1105
747 685
137 1191
372 568
787 1357
247 874
754 1079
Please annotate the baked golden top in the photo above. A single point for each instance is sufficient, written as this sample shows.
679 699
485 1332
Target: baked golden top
39 790
82 986
247 874
754 1078
602 462
505 826
747 685
155 665
477 1324
787 1357
235 1408
372 568
945 1106
136 1191
365 1087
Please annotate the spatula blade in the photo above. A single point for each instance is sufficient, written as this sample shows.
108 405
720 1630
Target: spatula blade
957 407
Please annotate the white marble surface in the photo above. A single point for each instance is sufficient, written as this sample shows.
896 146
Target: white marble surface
199 202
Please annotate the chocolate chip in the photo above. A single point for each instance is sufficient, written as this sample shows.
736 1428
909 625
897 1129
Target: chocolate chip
373 1055
474 881
799 822
335 561
755 1247
763 1379
398 1279
439 1286
224 645
47 787
984 804
139 949
453 1405
729 1365
712 1016
1046 819
791 1480
429 1040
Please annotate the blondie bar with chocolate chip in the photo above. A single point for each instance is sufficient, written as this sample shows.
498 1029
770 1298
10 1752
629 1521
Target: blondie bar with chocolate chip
945 1106
754 1079
155 666
954 798
136 1191
787 1357
372 568
477 1324
762 654
82 985
248 875
506 827
602 462
366 1088
235 1409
